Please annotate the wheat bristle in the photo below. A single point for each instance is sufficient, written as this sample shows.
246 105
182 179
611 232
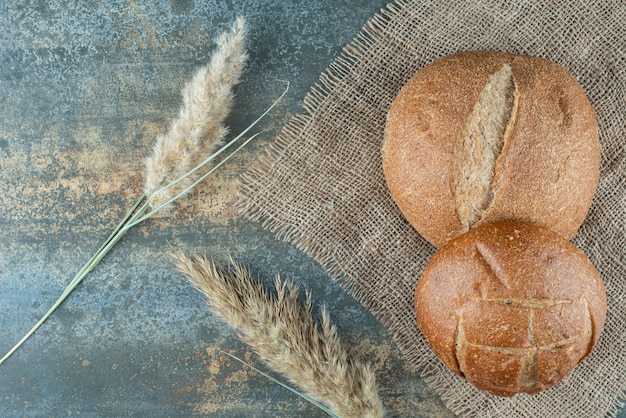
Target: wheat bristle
199 129
285 335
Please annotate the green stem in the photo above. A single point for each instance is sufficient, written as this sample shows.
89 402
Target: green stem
91 263
134 216
228 145
278 382
115 236
208 160
194 184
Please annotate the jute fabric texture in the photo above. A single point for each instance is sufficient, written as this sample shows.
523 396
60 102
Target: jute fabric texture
321 187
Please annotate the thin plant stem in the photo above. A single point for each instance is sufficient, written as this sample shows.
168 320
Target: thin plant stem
87 267
136 215
115 239
208 160
92 263
303 396
137 220
223 148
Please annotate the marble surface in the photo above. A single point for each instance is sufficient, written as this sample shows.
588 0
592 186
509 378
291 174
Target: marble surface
85 86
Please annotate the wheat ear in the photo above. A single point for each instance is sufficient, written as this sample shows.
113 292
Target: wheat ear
199 128
285 335
175 152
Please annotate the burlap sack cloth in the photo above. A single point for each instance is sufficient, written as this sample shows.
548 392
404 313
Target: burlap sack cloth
321 186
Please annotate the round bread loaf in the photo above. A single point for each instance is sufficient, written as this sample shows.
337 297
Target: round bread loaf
511 307
483 136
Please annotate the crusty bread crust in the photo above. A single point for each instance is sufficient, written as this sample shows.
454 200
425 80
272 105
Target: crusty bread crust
511 306
546 172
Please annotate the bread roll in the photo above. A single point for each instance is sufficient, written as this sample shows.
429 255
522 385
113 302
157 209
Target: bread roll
483 136
511 307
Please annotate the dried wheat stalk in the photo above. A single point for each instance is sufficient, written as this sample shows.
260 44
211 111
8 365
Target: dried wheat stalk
285 335
199 129
184 156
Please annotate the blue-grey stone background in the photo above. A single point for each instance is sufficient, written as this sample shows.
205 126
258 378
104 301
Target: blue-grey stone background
85 86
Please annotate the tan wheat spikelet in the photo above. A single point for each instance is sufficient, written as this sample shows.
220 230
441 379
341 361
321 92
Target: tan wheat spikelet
199 129
285 335
181 157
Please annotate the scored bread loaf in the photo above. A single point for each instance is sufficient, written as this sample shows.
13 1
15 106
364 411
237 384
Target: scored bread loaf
511 307
482 136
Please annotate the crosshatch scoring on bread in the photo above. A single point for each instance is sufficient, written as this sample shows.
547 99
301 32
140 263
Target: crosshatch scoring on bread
522 367
480 145
511 307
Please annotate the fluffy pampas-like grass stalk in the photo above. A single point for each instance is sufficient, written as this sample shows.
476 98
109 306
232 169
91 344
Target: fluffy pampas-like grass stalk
286 337
199 129
184 156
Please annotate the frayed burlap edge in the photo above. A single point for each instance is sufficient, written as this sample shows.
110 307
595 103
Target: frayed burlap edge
460 397
262 168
